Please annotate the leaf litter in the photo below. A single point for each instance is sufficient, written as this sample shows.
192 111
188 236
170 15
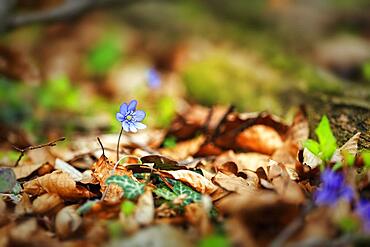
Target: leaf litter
247 176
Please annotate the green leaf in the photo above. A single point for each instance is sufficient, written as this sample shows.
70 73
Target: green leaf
348 224
328 143
181 189
337 166
131 188
7 180
165 193
214 241
170 142
366 157
313 146
128 207
349 159
104 55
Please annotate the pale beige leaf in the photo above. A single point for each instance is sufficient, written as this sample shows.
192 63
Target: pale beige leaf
67 168
350 147
195 180
23 171
310 159
67 221
46 203
144 213
233 183
59 183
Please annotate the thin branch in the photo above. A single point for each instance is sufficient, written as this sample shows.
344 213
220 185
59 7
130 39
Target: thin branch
101 145
68 9
24 150
119 139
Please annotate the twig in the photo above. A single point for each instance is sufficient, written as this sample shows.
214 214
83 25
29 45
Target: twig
24 150
119 139
101 145
68 9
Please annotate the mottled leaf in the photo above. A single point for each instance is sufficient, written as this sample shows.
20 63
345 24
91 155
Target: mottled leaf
7 180
131 188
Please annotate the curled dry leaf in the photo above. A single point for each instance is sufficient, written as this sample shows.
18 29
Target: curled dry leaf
67 168
310 159
67 221
195 180
290 191
259 138
46 203
244 161
23 171
350 147
144 213
59 183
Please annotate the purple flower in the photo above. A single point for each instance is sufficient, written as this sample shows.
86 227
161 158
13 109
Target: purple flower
363 210
333 188
154 80
130 117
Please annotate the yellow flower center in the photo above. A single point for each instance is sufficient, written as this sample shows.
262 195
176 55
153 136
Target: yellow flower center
129 117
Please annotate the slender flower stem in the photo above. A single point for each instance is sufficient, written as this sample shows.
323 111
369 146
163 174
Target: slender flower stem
119 139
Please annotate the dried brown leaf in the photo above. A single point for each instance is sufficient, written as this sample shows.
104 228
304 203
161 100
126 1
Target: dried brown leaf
23 171
24 206
259 138
46 202
59 183
67 221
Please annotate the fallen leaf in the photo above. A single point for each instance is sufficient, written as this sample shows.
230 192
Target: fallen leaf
24 206
144 213
184 149
46 202
310 159
23 171
259 138
233 183
67 168
193 179
7 179
350 147
59 183
67 221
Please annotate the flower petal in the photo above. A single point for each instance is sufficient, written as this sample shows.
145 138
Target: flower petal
123 109
139 125
126 126
120 117
140 115
132 128
132 105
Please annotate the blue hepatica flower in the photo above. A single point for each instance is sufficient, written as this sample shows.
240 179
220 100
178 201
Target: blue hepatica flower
363 210
333 188
154 80
130 117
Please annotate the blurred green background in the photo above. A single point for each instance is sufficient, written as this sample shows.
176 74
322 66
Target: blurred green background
69 76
